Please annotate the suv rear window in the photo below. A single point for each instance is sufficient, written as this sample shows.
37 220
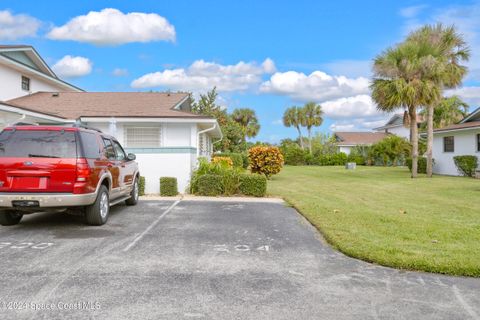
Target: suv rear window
38 143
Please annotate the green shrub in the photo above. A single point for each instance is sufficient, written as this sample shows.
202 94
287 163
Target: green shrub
210 185
237 158
294 155
141 186
246 161
466 165
422 164
253 185
168 186
336 159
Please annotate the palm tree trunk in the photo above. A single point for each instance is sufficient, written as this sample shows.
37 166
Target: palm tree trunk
300 137
310 140
429 140
414 140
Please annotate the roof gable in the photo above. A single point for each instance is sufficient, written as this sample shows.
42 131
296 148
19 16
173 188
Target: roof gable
28 57
474 116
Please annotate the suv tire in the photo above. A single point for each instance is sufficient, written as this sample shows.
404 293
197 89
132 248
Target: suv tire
97 213
133 200
10 218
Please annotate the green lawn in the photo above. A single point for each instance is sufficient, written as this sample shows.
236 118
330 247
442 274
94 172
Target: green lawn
381 215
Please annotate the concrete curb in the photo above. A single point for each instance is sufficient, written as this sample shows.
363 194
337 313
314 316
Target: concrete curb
189 197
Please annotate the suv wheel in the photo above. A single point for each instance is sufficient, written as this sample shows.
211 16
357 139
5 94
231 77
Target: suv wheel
97 213
10 218
133 194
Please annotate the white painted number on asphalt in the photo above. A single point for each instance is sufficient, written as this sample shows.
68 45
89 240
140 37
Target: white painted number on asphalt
26 245
240 247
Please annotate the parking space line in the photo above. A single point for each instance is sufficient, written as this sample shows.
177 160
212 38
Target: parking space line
150 227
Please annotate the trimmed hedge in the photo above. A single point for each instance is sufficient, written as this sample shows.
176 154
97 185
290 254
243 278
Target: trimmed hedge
466 165
210 185
236 158
253 185
168 186
141 186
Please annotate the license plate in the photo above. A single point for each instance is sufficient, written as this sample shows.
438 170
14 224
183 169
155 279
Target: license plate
25 203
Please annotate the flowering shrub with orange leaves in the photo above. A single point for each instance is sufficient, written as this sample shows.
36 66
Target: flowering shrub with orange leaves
223 161
265 160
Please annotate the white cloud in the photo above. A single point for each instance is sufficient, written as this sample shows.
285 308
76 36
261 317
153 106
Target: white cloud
358 124
351 107
119 72
317 86
470 95
113 27
15 26
202 76
277 122
71 67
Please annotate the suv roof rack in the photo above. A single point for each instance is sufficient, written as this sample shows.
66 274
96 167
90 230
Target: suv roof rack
17 124
77 125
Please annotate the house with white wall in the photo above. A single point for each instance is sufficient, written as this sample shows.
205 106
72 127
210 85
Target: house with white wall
395 125
346 141
23 72
456 140
158 127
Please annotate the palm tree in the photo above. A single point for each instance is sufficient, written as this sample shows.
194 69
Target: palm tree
449 111
248 120
397 84
312 118
293 117
442 51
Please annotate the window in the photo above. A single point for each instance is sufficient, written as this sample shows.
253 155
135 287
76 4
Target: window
119 151
25 83
448 144
142 137
478 142
91 149
38 144
108 150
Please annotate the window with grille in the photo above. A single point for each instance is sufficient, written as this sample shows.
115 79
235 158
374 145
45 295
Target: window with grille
448 144
142 137
25 83
478 142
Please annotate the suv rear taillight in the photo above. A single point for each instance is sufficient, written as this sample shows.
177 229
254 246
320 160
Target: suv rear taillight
83 170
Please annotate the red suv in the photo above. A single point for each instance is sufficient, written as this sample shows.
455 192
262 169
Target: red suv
55 168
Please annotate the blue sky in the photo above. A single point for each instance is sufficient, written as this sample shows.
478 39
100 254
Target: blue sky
264 55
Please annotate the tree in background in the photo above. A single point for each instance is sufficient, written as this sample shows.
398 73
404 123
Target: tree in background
441 50
449 111
312 117
233 134
397 84
248 120
293 117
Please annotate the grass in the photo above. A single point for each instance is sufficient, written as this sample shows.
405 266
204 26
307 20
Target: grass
381 215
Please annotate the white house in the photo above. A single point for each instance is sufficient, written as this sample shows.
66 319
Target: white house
158 127
455 140
346 141
395 125
23 71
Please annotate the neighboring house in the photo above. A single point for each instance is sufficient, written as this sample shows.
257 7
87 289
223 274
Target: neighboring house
456 140
346 141
396 126
158 127
23 71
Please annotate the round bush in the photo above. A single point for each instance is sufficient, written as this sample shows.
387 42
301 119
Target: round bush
210 185
265 160
466 165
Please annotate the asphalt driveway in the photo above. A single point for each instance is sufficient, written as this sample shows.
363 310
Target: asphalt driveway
207 260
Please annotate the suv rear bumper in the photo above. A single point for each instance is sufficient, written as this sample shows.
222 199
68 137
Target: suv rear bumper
49 200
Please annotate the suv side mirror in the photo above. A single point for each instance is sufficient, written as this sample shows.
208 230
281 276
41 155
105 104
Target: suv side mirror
131 157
